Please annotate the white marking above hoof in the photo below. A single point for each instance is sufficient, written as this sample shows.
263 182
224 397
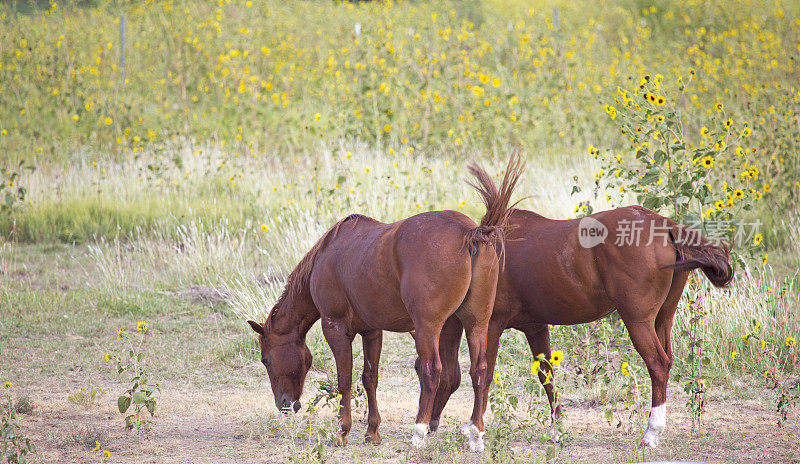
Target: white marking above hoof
474 437
655 425
418 435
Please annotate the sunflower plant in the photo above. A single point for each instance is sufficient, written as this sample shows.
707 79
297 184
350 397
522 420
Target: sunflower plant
14 445
142 392
12 192
695 384
770 362
504 406
701 174
624 391
604 358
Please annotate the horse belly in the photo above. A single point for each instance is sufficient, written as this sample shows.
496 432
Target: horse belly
566 308
383 311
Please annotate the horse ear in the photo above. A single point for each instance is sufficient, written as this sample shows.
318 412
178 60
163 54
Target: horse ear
258 328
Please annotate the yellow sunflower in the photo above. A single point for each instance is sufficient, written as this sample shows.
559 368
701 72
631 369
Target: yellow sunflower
535 368
556 357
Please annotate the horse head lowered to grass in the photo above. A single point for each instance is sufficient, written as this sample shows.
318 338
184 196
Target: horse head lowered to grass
630 260
364 277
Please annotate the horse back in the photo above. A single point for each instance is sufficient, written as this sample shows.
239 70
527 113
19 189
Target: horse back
563 271
370 272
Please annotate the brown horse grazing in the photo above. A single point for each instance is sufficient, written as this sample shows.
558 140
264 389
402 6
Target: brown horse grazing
363 277
577 271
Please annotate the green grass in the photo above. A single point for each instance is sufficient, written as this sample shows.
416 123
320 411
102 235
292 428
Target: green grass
84 219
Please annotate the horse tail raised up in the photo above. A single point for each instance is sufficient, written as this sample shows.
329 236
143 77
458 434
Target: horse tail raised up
494 224
695 251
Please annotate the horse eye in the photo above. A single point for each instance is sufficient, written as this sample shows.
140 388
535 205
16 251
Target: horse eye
265 362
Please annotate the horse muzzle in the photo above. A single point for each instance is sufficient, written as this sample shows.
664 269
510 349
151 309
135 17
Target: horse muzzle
287 406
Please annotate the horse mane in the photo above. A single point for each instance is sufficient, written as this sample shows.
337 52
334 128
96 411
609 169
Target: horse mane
301 274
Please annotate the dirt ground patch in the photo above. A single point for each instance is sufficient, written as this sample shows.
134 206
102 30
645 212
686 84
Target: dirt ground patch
207 296
222 425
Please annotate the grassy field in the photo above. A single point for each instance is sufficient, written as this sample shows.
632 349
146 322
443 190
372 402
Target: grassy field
182 197
195 281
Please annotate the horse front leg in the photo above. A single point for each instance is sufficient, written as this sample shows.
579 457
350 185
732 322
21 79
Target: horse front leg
372 342
341 343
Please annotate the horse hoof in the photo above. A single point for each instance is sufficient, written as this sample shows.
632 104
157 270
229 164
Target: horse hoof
650 439
433 425
655 425
418 435
474 437
373 439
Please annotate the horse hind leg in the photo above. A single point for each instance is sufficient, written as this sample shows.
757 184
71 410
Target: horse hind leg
639 301
429 369
450 378
475 313
475 429
663 329
647 344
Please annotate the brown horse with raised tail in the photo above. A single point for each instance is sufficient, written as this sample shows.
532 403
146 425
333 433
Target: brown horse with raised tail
630 260
364 277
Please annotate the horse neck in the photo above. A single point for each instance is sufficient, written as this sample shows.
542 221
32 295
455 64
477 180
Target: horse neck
296 312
